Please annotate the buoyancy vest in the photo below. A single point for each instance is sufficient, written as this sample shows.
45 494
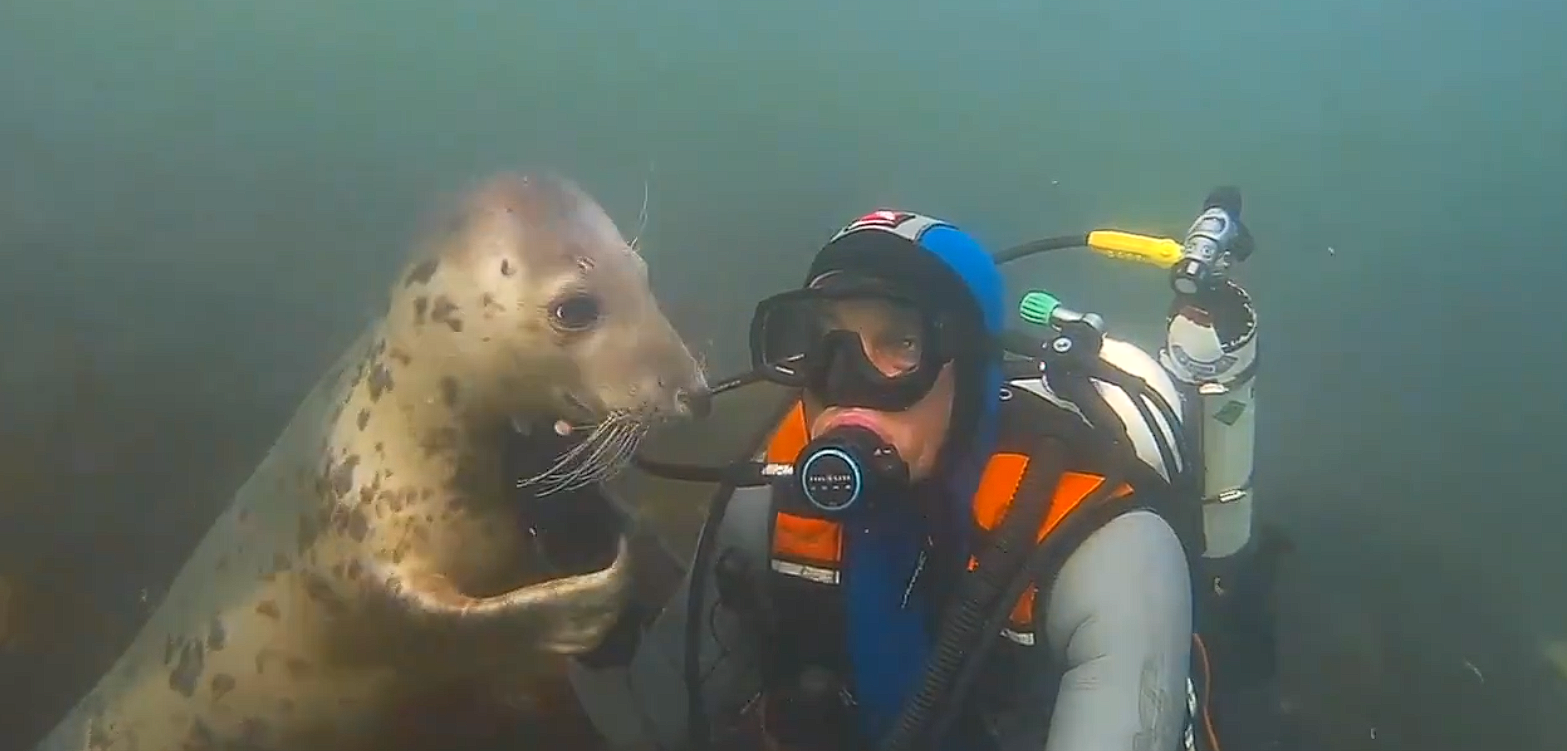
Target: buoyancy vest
811 548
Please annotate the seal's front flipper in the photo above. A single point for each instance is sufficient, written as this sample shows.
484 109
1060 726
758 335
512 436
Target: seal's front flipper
658 577
568 616
619 646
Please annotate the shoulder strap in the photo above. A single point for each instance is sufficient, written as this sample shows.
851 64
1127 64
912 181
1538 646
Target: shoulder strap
1179 503
966 628
1047 558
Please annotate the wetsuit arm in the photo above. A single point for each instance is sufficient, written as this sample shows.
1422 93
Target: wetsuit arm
1119 621
642 705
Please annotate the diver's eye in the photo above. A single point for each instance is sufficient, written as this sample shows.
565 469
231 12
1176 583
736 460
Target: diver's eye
903 343
576 313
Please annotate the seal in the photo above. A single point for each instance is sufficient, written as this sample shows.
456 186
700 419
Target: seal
380 547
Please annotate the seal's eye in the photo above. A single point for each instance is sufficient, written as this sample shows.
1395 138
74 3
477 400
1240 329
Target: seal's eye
576 313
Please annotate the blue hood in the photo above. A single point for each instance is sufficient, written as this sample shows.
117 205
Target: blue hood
888 633
974 268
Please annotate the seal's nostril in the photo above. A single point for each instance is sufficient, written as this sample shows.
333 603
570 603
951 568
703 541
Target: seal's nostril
698 402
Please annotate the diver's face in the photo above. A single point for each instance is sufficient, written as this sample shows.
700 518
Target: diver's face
893 342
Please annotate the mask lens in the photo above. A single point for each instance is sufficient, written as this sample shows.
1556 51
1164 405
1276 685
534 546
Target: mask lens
781 338
892 333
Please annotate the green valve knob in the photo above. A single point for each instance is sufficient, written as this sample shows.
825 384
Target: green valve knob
1038 307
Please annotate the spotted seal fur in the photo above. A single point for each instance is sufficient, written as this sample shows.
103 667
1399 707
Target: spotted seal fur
376 549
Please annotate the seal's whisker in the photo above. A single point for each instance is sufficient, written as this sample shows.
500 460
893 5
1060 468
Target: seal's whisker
566 464
601 454
621 451
642 217
614 457
571 455
562 463
606 447
613 454
628 450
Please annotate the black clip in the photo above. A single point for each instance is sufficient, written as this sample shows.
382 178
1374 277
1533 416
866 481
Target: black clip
1074 349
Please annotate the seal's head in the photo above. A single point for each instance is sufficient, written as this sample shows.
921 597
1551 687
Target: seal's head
531 290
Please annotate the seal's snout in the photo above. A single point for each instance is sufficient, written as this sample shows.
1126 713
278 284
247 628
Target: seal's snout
696 402
691 395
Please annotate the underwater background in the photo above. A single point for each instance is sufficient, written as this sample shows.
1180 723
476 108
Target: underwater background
202 202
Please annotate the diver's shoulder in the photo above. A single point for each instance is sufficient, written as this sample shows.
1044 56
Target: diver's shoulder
1123 589
1133 560
1143 529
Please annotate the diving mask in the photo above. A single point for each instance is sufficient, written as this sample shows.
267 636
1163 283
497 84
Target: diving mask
853 344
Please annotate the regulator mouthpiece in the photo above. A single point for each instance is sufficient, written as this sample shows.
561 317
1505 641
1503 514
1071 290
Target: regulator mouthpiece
845 467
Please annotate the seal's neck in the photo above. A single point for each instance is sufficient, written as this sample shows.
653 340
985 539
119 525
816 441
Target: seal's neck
425 415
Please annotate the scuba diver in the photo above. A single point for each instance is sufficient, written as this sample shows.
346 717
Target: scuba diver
960 536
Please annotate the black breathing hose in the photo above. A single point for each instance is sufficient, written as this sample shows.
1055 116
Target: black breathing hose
968 625
1166 453
680 472
1073 527
697 725
1011 546
698 728
1061 242
1139 390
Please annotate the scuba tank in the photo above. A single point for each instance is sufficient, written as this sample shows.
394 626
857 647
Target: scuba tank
1211 351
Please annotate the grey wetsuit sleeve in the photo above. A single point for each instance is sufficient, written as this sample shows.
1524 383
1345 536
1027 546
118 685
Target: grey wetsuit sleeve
1119 620
643 705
